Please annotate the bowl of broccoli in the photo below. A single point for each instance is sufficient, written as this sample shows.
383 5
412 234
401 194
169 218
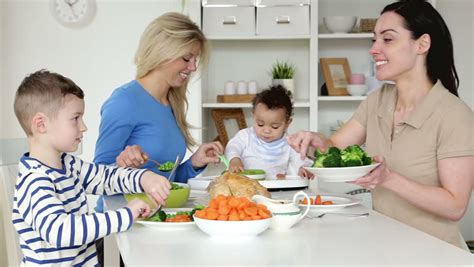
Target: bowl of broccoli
341 165
179 195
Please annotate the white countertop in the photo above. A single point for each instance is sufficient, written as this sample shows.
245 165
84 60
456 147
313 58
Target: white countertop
372 240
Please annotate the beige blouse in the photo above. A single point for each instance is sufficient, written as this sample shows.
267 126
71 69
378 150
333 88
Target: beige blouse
440 127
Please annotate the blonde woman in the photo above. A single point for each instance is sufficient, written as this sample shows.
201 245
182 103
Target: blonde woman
147 116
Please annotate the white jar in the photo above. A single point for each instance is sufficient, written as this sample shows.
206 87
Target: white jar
242 88
253 87
229 88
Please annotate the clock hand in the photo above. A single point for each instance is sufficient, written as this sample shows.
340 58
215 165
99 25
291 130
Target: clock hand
71 3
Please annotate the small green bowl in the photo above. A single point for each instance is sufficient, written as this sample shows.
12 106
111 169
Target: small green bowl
176 199
254 174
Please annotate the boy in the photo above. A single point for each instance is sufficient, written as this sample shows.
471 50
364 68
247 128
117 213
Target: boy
264 146
50 210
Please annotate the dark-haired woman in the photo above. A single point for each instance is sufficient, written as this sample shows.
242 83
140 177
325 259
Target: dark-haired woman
419 128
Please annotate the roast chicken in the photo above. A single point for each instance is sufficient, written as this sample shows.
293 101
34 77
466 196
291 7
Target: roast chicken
232 184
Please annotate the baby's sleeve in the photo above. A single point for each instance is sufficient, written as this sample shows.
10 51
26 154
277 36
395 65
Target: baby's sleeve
237 144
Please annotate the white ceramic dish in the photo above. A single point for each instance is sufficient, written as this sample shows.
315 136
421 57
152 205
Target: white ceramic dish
357 89
232 228
169 225
343 174
340 24
290 181
340 202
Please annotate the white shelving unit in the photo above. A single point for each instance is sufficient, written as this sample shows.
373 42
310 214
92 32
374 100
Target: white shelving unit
236 57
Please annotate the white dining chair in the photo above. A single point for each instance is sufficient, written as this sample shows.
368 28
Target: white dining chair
8 175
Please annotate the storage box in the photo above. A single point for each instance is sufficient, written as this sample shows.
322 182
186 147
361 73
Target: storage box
228 18
235 98
283 18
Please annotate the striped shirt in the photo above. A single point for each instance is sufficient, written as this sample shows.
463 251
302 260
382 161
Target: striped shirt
274 158
50 210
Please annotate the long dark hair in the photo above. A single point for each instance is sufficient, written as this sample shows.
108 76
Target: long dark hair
420 18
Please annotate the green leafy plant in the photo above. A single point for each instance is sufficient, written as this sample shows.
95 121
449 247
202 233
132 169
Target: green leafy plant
283 70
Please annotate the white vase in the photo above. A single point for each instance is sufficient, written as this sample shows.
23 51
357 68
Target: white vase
289 84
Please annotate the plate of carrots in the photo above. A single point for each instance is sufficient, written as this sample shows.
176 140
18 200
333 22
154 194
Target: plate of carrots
329 202
178 218
229 216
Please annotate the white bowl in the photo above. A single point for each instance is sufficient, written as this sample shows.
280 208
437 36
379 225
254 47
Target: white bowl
232 228
343 174
340 24
357 89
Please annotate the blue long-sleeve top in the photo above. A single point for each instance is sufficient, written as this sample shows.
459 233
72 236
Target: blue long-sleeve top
131 116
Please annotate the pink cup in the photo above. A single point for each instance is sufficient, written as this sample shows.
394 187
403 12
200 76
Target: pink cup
357 78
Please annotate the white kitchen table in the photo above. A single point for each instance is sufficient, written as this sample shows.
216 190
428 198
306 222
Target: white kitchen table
372 240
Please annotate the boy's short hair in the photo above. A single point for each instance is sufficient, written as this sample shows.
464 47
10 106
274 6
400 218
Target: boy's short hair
275 97
42 91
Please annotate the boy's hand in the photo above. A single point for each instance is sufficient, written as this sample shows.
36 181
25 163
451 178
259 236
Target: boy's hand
207 153
304 173
131 156
157 187
139 208
235 165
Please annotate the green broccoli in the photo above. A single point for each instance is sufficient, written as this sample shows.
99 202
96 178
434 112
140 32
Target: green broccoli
354 156
166 167
334 157
328 159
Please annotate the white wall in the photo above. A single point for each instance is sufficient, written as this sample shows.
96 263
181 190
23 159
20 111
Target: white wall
98 57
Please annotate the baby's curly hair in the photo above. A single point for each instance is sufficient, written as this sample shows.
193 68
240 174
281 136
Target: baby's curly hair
275 97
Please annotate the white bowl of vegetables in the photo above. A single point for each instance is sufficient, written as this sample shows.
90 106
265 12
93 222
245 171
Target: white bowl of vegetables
342 165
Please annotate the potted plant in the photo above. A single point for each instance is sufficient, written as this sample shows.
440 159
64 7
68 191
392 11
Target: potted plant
282 74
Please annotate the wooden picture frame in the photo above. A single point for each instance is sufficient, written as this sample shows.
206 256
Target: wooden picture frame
220 115
337 73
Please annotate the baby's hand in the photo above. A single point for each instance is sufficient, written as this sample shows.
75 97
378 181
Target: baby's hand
139 208
235 165
157 187
304 173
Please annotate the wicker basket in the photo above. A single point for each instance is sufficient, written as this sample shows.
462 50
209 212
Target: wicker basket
367 25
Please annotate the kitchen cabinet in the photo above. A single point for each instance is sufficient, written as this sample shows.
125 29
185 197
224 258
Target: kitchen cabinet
249 55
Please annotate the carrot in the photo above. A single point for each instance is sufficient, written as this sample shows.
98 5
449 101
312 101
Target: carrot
318 200
214 203
233 202
222 217
305 201
256 217
200 213
223 210
242 215
212 214
234 217
251 211
329 202
264 214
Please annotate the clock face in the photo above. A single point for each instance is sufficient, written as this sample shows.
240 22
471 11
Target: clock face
73 12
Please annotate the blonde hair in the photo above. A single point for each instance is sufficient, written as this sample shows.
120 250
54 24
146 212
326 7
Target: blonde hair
165 39
42 91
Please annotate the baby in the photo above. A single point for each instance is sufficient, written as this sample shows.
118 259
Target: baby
264 146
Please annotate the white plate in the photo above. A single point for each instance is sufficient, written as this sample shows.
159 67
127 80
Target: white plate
201 183
340 202
343 174
169 225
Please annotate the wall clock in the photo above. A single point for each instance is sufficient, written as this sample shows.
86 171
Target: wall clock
73 13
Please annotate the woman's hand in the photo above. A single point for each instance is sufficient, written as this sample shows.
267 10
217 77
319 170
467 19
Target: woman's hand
376 177
131 156
156 187
235 165
207 153
303 140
